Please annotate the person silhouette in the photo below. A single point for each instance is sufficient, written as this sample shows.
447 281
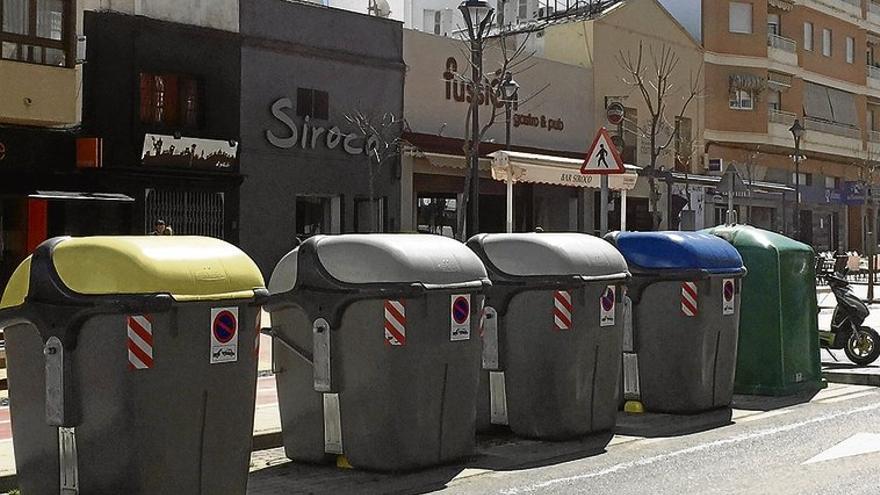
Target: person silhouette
602 154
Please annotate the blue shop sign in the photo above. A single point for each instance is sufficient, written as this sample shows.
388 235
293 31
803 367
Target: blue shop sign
854 193
822 195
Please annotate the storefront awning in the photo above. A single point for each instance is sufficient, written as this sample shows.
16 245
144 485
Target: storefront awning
714 180
554 170
81 196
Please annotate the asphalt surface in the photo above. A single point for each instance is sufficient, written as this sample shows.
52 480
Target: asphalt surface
762 446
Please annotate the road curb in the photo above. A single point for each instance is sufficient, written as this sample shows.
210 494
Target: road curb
262 441
847 378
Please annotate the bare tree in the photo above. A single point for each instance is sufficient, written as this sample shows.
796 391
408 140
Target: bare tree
654 80
514 59
382 144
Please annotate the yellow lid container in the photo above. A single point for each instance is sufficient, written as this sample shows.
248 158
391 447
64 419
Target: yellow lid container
188 268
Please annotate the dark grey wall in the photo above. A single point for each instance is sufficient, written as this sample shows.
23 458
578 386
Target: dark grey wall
355 58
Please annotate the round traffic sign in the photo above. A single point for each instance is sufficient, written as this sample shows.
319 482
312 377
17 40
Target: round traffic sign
728 290
461 310
608 299
615 112
224 327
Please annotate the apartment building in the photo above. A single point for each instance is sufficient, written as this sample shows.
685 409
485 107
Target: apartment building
769 62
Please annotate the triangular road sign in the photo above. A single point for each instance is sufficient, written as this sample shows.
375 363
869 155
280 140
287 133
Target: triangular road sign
858 444
731 178
603 157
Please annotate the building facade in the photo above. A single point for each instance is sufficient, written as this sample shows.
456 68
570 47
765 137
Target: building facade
778 61
161 104
550 118
38 43
306 164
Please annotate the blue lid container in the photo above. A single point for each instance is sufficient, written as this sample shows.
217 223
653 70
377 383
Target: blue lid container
664 252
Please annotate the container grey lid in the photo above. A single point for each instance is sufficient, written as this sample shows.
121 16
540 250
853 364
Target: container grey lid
431 260
543 253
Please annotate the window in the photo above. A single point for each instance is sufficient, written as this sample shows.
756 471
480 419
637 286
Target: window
523 9
683 143
312 103
740 18
832 182
774 100
630 135
318 215
773 24
808 36
850 50
186 212
428 21
805 179
437 21
36 31
741 99
826 42
436 214
170 100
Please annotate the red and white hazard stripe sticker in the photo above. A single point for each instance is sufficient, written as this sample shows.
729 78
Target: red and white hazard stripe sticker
562 310
482 314
140 342
689 299
395 323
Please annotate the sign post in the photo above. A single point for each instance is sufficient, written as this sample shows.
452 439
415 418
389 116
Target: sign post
603 159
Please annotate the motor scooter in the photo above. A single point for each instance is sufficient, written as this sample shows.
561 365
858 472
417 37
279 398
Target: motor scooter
860 343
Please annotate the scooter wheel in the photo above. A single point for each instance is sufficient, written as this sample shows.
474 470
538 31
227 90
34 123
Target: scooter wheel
863 347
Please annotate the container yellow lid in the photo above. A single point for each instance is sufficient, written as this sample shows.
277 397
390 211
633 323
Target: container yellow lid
188 268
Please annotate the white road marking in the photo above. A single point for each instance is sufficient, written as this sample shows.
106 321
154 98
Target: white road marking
858 444
764 415
847 397
690 450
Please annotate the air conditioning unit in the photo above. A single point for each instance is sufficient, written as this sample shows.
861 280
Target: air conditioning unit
714 164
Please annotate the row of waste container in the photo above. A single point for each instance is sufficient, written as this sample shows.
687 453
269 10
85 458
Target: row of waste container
133 360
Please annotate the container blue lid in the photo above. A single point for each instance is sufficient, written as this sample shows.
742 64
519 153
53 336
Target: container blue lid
655 251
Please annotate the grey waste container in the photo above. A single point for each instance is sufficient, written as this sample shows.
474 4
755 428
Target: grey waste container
552 333
685 319
132 365
376 349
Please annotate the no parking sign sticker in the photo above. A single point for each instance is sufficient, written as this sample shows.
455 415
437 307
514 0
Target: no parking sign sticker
460 317
728 294
224 335
606 306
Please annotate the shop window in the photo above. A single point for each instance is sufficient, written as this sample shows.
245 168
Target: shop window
362 218
740 18
742 99
312 103
435 214
186 212
36 31
170 100
318 215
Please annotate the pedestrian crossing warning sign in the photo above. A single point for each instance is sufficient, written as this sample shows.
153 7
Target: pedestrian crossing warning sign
603 157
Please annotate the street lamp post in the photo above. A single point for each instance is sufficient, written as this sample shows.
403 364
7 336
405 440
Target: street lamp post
477 17
797 131
510 92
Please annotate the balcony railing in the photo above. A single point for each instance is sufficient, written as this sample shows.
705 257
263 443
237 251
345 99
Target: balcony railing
873 72
781 117
781 43
874 136
832 128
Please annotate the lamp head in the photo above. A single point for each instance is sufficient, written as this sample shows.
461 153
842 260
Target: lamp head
797 130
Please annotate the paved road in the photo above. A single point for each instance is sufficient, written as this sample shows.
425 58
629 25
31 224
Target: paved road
761 447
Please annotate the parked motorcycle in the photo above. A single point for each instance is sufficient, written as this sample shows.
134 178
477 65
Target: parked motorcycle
860 343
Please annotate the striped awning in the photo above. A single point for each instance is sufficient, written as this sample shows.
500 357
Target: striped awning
748 82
